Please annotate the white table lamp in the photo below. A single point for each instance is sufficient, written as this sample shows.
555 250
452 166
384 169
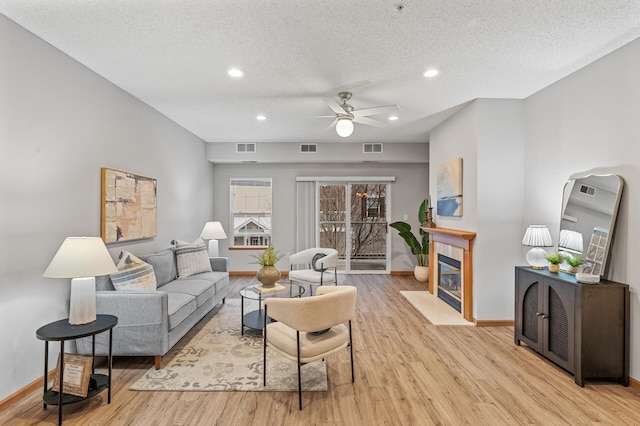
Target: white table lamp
213 232
571 240
81 259
537 236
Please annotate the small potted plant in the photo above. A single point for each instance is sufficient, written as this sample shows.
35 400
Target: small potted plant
554 259
574 262
268 275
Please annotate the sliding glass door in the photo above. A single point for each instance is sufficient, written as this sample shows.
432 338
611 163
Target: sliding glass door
352 218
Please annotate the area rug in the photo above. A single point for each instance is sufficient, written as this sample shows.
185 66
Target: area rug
213 356
434 309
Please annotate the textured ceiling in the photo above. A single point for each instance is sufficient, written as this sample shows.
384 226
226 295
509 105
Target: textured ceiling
174 55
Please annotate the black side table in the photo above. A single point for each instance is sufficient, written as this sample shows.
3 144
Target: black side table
61 330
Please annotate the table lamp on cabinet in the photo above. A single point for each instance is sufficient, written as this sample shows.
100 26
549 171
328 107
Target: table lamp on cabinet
81 259
537 236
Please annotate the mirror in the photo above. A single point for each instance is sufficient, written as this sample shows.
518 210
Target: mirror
589 210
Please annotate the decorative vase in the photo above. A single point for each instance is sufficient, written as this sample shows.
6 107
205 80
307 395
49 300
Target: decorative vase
554 267
573 270
421 273
268 275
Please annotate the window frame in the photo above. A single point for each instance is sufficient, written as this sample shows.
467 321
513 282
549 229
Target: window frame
265 234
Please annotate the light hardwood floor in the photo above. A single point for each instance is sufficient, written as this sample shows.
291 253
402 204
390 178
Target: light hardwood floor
408 372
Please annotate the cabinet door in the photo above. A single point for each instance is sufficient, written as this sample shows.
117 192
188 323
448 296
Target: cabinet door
559 323
529 305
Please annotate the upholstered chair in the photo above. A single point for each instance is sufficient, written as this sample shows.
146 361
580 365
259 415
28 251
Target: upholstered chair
314 266
310 328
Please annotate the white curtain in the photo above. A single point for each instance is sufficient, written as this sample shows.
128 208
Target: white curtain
306 215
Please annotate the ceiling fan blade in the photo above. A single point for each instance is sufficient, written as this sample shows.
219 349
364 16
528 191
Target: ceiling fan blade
334 106
323 116
369 122
386 109
333 124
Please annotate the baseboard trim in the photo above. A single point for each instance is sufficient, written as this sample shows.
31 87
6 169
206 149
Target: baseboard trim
401 273
494 323
252 273
633 383
21 393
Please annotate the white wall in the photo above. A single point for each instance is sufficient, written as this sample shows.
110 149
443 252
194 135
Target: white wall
488 135
588 122
408 191
59 124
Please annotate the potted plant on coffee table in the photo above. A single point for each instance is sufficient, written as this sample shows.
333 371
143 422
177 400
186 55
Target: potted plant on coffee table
554 259
268 275
419 248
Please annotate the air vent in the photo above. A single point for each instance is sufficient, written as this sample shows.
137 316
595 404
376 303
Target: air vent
245 147
308 147
371 147
587 190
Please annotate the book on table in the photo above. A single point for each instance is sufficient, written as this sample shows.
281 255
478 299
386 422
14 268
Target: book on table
271 289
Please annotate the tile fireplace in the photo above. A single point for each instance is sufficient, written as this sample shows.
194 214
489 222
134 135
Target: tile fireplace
457 276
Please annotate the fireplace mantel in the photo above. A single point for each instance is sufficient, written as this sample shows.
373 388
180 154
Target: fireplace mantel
460 239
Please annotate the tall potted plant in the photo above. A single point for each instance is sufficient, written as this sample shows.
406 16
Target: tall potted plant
419 248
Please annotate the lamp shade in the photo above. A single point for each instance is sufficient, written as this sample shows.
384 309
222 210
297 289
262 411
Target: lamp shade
213 231
344 127
571 240
537 236
80 257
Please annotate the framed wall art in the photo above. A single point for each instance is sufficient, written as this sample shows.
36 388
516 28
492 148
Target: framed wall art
129 204
449 187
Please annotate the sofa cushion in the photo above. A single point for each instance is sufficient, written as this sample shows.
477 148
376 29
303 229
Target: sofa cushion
192 258
180 306
133 274
164 266
202 290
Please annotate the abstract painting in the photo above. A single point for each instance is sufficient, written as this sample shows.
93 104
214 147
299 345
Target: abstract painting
449 187
128 206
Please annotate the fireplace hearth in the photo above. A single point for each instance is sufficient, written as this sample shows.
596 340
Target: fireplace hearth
450 281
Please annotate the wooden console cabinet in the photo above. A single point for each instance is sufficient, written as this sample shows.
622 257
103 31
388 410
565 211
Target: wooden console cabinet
583 328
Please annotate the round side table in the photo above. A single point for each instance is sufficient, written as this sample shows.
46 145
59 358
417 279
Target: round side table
61 331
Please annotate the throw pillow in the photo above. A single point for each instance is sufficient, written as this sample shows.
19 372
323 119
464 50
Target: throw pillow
133 274
315 264
192 258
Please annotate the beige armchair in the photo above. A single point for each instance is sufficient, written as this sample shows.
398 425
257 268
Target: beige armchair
310 328
314 266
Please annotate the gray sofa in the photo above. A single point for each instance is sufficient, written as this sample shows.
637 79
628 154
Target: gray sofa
151 323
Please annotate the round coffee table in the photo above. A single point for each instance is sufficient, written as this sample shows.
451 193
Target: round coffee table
255 319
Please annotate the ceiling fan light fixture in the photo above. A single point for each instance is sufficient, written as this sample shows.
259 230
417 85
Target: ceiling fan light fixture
393 118
344 127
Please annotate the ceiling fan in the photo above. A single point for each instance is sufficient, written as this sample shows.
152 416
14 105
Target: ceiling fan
346 115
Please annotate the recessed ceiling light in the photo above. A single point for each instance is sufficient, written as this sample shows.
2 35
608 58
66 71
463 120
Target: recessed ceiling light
260 117
393 117
431 73
235 72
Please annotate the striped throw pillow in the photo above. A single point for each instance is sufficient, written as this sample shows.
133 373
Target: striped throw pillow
192 258
133 274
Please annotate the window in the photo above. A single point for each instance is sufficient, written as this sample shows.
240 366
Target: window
251 212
